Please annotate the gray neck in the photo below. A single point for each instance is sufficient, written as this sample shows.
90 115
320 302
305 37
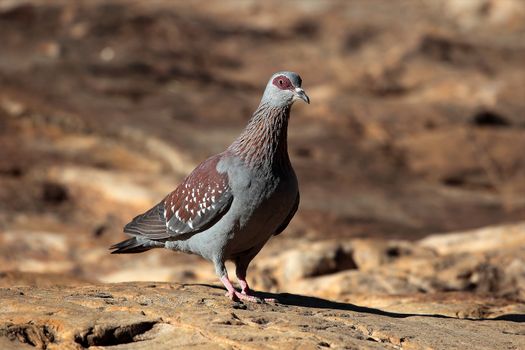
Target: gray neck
264 141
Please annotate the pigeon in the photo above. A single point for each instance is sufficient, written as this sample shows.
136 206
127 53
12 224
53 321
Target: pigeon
231 204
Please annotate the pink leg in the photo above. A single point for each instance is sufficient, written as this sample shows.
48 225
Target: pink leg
235 295
245 289
244 286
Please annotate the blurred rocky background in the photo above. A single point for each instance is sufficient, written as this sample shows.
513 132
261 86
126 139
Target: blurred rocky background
410 158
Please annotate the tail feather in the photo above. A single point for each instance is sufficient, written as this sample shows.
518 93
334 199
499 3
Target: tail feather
148 231
130 246
151 224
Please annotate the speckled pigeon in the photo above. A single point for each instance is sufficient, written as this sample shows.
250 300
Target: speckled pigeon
235 201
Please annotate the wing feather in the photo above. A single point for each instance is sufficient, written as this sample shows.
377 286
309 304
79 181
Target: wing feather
200 201
195 205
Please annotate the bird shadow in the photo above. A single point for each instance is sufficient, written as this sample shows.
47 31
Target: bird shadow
320 303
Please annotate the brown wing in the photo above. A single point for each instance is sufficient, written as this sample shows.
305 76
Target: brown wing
200 201
194 206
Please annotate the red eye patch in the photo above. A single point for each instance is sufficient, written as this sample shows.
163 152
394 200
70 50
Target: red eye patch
282 82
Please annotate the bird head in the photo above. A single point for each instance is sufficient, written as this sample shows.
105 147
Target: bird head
283 89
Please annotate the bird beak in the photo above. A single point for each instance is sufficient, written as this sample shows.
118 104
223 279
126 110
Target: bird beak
300 94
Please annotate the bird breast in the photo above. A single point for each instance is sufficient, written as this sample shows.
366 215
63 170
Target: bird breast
264 203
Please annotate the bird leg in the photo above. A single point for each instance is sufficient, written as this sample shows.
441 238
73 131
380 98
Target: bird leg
231 293
245 289
235 295
240 271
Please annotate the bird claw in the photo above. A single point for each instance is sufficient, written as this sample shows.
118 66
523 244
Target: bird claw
243 296
270 300
237 296
248 292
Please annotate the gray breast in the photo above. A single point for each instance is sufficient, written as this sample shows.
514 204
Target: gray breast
262 201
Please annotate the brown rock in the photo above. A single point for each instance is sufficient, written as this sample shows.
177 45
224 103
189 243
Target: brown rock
179 316
483 262
477 241
309 260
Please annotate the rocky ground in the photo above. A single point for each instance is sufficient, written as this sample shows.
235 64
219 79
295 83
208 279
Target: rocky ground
167 316
452 291
409 160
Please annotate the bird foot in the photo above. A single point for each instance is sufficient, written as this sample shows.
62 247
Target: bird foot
249 292
238 296
246 293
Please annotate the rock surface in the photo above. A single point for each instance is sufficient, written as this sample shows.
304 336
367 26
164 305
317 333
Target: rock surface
167 316
443 292
487 261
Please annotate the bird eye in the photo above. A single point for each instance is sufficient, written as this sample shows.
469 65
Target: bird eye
282 82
